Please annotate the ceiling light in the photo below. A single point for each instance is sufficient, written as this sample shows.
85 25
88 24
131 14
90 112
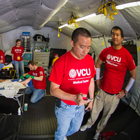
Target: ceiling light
126 5
78 19
63 25
88 16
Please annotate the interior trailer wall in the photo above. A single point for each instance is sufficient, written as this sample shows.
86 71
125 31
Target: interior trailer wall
9 38
135 93
138 51
98 44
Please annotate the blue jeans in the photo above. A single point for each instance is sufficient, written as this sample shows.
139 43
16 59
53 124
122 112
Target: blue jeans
1 66
69 119
37 93
19 64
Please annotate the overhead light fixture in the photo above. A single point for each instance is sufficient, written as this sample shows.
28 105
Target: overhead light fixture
78 19
126 5
63 25
88 16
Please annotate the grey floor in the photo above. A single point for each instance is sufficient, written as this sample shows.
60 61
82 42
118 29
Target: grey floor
39 122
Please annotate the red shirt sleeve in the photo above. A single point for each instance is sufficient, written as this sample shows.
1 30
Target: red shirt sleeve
41 71
22 50
57 72
130 62
2 56
12 51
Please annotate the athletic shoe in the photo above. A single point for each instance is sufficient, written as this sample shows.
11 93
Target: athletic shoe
96 136
65 138
84 127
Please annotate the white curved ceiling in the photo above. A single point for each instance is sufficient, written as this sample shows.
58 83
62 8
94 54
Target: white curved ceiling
51 13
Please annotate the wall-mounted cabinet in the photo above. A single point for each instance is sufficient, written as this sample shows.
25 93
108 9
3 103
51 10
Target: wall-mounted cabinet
41 59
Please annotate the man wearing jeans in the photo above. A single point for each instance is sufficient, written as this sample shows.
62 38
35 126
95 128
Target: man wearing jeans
39 81
72 77
117 60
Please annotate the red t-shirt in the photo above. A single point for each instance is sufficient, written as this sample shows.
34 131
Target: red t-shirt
73 75
2 56
17 51
116 64
38 72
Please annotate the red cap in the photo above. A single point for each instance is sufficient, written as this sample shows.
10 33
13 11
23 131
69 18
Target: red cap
55 54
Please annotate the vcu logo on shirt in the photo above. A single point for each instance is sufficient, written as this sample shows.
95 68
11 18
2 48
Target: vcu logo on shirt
41 72
79 72
18 50
34 74
113 58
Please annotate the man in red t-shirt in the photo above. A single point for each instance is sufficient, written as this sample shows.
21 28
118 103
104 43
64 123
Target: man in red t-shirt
2 59
39 81
117 60
72 77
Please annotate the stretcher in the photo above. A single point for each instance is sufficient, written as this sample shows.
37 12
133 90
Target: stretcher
15 90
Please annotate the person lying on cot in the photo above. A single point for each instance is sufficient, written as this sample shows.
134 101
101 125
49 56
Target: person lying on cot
10 88
25 82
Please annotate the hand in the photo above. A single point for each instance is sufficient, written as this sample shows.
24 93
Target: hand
121 94
24 83
90 105
79 99
32 77
27 76
21 77
98 82
13 61
22 54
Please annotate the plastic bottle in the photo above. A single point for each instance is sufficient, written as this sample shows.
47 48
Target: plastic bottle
25 106
19 111
44 49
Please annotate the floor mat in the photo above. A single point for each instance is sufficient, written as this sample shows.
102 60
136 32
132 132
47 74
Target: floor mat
39 122
39 119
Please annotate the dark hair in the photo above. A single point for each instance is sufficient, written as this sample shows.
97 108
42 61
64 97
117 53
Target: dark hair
31 62
80 31
117 28
18 40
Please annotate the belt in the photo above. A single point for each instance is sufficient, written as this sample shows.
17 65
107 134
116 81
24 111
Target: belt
111 94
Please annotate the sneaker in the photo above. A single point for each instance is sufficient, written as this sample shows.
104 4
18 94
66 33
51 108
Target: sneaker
84 127
96 136
65 138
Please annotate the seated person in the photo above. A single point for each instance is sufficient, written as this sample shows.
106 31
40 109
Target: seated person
39 81
2 59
